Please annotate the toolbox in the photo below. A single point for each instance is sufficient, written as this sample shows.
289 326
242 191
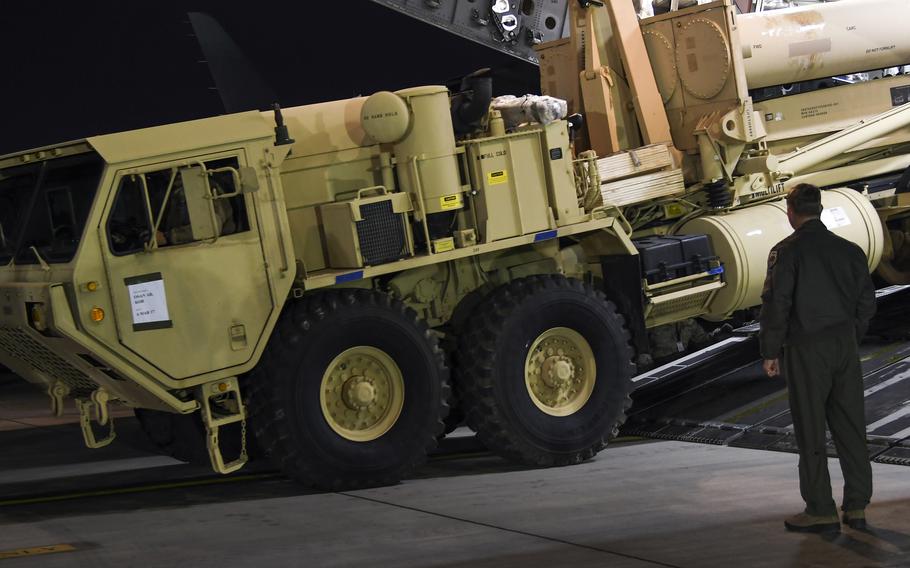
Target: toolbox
669 257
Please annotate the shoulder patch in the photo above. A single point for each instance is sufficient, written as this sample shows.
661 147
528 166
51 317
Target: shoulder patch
772 259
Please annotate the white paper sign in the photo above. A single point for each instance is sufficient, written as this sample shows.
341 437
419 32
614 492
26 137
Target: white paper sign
149 302
835 217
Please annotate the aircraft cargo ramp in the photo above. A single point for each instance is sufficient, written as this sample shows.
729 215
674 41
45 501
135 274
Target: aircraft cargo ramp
721 396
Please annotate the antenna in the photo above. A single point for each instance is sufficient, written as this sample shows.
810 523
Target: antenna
282 137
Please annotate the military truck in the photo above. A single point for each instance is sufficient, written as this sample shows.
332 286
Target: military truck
340 282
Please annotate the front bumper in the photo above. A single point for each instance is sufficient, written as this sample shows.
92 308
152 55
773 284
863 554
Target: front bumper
54 350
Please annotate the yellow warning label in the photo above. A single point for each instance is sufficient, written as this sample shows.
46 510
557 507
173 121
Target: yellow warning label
444 245
36 551
450 201
674 210
501 176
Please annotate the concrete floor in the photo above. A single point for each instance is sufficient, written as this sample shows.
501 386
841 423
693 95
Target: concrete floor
636 505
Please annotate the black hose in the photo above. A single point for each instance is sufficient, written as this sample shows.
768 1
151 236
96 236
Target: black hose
719 195
473 102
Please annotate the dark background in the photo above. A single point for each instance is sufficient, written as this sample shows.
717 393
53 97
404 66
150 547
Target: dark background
78 69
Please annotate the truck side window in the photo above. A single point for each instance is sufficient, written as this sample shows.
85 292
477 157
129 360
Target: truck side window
128 227
131 222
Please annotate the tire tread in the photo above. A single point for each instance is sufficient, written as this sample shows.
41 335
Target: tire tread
272 426
476 375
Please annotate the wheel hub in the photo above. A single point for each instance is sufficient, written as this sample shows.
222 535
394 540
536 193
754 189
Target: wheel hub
362 393
358 393
560 371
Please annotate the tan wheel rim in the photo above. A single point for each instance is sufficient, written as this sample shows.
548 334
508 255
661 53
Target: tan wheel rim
560 371
362 393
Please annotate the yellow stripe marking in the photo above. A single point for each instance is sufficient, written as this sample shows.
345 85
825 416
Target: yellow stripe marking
36 551
139 489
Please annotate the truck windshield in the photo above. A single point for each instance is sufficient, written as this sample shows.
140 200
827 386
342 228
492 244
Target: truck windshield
44 206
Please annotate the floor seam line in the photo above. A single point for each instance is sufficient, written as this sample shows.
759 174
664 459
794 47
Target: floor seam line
506 529
32 426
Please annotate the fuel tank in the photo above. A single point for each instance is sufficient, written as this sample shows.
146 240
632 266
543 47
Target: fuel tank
744 238
824 40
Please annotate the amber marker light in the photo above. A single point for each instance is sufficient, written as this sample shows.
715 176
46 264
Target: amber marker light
91 287
37 316
97 314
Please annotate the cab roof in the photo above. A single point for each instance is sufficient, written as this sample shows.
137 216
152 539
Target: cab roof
157 140
181 136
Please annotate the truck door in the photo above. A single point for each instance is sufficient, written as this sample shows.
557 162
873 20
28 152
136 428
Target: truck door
185 265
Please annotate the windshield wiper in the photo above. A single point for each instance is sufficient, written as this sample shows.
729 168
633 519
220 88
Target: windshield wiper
44 265
26 213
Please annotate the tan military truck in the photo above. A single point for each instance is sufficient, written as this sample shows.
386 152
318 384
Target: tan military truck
338 277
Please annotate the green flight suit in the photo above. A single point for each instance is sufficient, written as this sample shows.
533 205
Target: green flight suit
817 302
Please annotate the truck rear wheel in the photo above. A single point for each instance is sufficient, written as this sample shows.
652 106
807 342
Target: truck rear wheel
545 371
351 391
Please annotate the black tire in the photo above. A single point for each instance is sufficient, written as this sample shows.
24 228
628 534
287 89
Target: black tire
491 371
286 412
182 436
454 329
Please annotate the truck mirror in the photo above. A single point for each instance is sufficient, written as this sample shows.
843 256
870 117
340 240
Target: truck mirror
199 205
249 180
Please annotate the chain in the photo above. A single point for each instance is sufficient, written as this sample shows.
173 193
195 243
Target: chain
243 438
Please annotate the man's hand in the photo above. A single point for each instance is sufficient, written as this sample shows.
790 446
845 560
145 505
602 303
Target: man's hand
771 367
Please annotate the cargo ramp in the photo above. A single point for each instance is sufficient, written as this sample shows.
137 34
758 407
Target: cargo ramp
721 396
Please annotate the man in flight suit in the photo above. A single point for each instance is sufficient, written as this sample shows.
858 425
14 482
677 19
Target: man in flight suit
817 302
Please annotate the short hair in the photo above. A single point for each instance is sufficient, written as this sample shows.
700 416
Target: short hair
806 200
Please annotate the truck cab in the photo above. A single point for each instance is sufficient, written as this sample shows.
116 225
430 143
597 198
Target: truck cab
93 236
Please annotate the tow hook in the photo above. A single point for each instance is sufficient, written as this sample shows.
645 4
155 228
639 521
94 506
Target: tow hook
96 409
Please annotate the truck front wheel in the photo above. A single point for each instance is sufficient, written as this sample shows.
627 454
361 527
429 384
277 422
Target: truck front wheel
545 371
351 391
183 436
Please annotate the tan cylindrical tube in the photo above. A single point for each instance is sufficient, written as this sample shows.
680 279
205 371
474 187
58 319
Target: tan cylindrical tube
742 239
824 40
803 159
427 162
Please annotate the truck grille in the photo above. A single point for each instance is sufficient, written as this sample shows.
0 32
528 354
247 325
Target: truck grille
20 345
381 234
693 304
